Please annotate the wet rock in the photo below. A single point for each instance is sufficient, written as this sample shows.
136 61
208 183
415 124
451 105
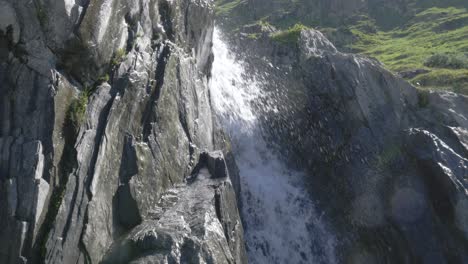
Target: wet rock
400 192
314 43
9 25
445 171
100 103
191 223
215 163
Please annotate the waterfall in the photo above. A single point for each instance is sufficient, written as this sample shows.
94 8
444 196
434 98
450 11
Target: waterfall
281 222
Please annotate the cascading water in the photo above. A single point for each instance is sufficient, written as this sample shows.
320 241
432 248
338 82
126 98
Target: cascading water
281 223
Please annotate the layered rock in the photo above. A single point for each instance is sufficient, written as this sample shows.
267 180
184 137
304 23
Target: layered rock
196 222
105 107
385 161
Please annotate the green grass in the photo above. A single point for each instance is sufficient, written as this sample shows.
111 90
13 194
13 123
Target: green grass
225 7
77 111
118 57
433 33
103 79
290 35
253 36
429 34
444 79
448 61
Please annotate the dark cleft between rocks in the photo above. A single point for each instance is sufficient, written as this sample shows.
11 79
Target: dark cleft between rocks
166 18
149 117
125 205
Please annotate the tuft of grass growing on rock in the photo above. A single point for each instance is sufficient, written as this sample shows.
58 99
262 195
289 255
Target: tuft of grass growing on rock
224 7
118 57
77 111
103 79
253 36
290 35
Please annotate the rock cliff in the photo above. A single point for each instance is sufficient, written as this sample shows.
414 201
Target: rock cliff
104 115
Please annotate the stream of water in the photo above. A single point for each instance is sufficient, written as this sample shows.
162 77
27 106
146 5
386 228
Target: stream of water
280 220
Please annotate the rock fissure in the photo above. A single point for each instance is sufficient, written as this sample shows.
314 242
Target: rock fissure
148 116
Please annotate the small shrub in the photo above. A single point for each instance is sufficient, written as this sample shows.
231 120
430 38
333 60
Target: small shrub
447 60
226 7
103 79
253 36
118 57
461 88
77 110
264 23
367 27
289 36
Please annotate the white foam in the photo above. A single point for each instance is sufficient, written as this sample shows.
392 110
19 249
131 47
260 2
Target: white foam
281 223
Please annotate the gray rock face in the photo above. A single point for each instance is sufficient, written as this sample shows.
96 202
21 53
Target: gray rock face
386 162
104 108
196 222
23 194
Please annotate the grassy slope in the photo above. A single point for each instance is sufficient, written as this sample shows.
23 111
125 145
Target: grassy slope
429 31
433 31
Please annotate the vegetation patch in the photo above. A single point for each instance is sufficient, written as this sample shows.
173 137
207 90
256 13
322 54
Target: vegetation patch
118 57
103 79
224 7
253 36
448 61
422 36
290 35
444 79
420 44
77 111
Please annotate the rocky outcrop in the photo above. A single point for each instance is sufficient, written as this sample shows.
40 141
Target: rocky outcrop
104 109
197 222
385 162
